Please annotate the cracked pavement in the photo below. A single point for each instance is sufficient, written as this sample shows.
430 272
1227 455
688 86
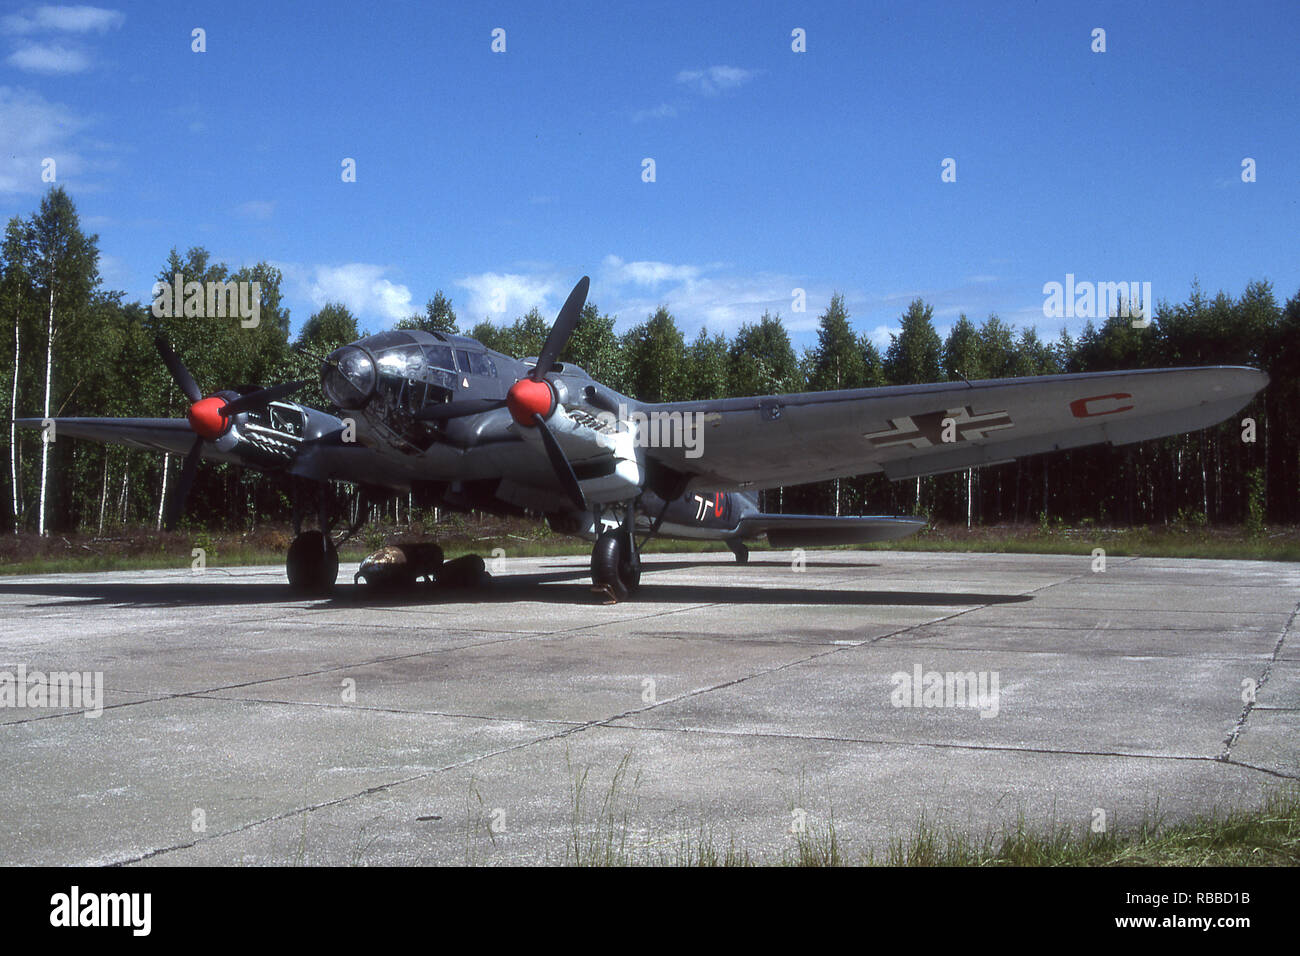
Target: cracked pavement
243 725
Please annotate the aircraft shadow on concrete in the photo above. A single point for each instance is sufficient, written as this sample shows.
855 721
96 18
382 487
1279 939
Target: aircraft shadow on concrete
527 587
682 565
169 594
569 586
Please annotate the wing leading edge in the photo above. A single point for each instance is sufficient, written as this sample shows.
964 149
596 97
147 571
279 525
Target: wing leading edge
172 435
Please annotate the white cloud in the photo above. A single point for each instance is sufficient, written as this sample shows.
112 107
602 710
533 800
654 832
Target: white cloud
360 286
715 79
48 58
662 111
74 19
647 273
709 295
709 81
54 58
32 129
722 303
505 296
880 336
257 209
697 295
703 295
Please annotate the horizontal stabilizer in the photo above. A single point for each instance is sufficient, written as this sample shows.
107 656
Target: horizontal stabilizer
813 531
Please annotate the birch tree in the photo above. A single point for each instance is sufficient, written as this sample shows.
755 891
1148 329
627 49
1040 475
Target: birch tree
65 267
15 292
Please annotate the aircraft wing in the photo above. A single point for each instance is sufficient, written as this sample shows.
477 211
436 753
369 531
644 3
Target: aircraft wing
816 531
910 430
156 434
255 447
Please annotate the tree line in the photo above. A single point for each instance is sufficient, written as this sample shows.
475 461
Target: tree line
77 348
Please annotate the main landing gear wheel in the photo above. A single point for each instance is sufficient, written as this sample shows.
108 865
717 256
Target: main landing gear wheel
615 566
313 563
467 571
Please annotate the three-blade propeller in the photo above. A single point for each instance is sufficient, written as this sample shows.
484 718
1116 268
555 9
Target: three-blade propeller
532 399
209 418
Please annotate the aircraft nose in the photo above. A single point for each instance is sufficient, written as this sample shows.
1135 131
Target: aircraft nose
348 377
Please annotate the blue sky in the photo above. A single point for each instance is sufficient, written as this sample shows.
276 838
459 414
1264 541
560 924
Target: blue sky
502 177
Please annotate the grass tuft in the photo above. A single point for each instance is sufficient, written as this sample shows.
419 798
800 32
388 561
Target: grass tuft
603 833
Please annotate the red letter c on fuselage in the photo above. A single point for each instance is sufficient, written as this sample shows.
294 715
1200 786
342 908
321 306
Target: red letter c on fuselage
1080 406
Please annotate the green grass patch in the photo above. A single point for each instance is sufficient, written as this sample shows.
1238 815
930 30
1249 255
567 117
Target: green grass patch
604 833
1268 836
1118 543
605 828
145 549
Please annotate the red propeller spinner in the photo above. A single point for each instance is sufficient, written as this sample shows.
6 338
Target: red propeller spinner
208 417
534 395
529 397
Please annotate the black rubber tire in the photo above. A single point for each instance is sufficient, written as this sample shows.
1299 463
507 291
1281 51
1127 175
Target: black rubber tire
424 558
312 564
467 571
629 565
606 558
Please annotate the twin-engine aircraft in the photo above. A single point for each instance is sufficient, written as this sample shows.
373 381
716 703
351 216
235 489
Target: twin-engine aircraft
463 427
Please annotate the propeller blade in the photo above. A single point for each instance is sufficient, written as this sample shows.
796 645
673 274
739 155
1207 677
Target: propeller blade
176 506
563 470
261 398
180 374
564 325
470 406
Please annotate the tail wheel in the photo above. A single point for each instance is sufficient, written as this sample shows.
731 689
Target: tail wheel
609 568
313 563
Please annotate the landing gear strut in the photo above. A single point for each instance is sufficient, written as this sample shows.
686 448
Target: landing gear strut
739 550
312 564
616 560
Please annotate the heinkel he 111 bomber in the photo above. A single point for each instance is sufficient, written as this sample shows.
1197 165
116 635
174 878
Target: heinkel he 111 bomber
460 426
